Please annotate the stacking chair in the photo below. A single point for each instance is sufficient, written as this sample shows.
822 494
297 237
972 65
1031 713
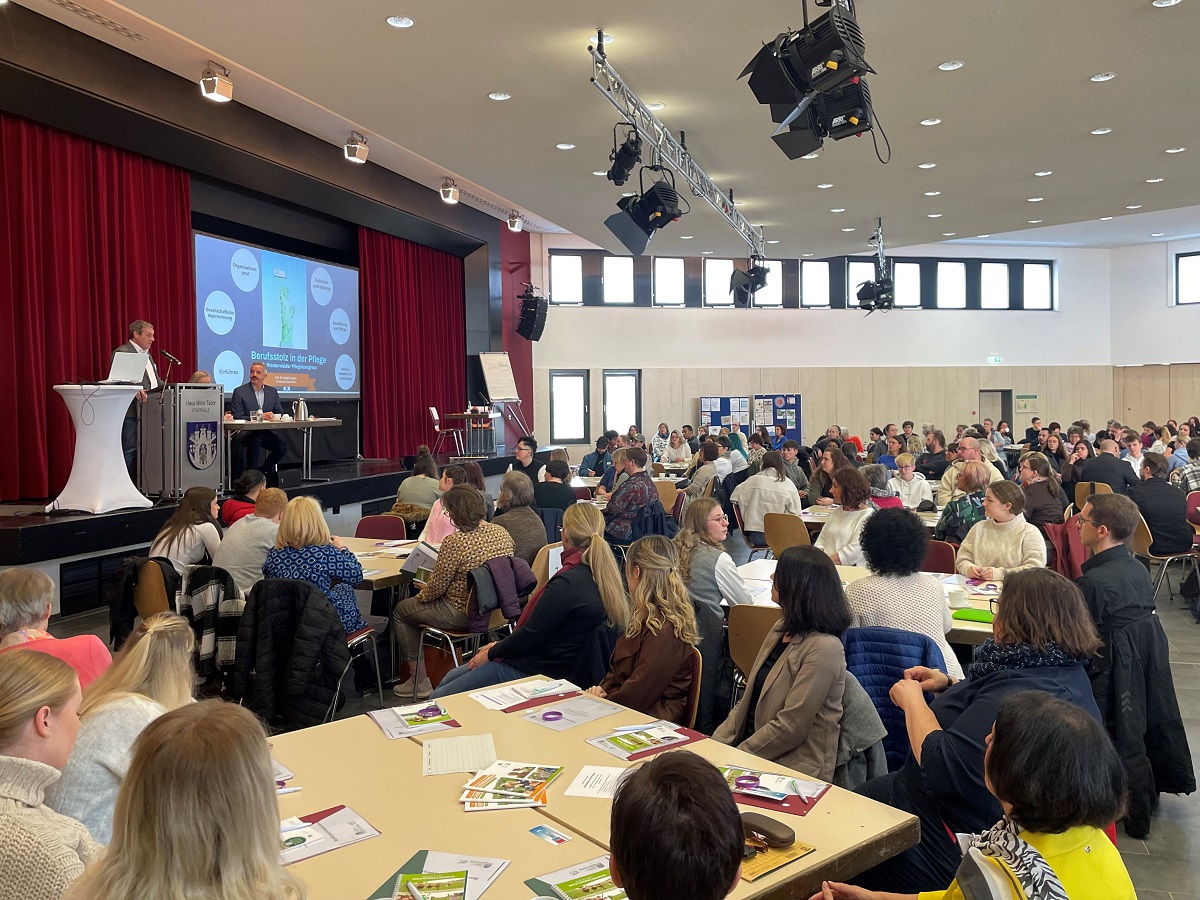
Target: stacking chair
1140 545
382 528
785 530
693 698
360 643
940 558
657 469
754 548
748 628
541 565
583 493
456 434
1085 489
666 494
1193 514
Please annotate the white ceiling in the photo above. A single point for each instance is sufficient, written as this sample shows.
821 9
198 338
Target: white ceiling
1022 103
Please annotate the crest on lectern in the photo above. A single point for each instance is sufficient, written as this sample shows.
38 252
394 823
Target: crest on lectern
201 444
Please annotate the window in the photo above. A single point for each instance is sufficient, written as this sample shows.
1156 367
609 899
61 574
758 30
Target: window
772 293
1187 278
717 273
1038 291
569 406
668 284
857 271
993 285
906 278
951 285
566 279
814 283
622 399
618 279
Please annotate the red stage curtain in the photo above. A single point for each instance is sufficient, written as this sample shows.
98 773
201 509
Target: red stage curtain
414 341
91 238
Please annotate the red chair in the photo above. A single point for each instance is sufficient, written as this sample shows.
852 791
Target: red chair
940 557
382 528
583 493
1193 513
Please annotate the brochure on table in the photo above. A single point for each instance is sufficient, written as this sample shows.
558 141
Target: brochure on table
561 715
481 872
587 881
517 697
412 720
320 832
639 741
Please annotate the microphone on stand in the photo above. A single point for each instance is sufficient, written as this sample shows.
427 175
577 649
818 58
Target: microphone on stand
173 359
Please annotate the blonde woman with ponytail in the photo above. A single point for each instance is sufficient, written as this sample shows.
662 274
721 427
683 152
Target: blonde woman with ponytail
568 628
41 852
196 816
152 674
651 668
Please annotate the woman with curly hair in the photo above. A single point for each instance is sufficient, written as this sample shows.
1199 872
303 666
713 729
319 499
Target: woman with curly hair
651 666
821 483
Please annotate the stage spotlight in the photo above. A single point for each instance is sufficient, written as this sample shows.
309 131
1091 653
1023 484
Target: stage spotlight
877 294
356 148
743 285
515 223
847 112
449 191
805 133
624 157
642 215
216 84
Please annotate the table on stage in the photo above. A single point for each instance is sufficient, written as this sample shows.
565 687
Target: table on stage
99 481
233 426
477 426
348 762
757 575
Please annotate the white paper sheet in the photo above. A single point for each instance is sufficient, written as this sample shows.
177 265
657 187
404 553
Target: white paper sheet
575 711
468 753
504 697
599 782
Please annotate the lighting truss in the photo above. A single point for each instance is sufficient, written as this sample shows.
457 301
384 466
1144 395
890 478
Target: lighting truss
669 151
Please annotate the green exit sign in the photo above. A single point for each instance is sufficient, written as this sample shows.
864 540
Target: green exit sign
994 360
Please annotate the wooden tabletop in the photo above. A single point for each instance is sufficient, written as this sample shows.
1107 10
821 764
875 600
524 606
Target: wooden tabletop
815 517
385 567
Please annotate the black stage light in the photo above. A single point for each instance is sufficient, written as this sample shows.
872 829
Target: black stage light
624 157
846 112
743 285
641 216
878 294
805 133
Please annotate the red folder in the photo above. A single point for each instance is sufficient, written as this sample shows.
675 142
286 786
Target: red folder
793 806
692 737
539 701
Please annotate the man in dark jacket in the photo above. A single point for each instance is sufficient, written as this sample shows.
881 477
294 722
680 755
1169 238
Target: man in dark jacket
554 492
932 463
1131 680
1164 507
1109 468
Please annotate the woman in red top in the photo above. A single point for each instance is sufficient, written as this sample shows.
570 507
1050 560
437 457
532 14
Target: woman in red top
245 492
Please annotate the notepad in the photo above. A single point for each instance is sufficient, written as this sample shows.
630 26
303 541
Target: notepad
469 753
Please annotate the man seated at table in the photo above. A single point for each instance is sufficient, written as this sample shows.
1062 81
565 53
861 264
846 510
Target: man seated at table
790 451
932 463
1164 507
244 548
596 463
628 501
1031 433
554 492
675 831
1108 468
248 399
968 451
523 460
1188 479
689 438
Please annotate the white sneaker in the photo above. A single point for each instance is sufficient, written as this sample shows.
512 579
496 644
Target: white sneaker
404 690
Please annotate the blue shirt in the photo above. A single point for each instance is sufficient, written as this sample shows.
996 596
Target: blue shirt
889 461
594 463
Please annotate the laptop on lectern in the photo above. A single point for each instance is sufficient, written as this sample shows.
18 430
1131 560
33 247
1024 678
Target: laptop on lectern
127 368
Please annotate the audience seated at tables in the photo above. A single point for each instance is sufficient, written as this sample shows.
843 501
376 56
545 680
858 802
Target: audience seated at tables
1108 467
778 438
968 451
675 831
1188 477
893 448
882 496
961 514
652 663
792 468
1071 472
523 460
1164 507
628 500
192 533
677 451
561 454
758 447
792 708
439 524
769 491
852 439
563 622
515 514
245 490
1033 431
1058 781
709 453
820 487
475 479
660 442
1164 442
26 602
615 475
840 538
1132 679
690 438
596 463
554 492
1001 436
41 851
738 457
1044 640
196 815
911 486
932 463
442 601
832 433
898 594
1045 500
909 440
1133 457
1039 440
1004 542
245 546
1180 456
724 460
153 673
421 487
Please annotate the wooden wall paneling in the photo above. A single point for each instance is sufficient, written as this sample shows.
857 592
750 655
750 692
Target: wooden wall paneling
1185 392
696 382
1147 394
927 396
1029 380
740 382
1096 395
1063 403
891 396
962 398
818 386
1118 391
662 399
853 394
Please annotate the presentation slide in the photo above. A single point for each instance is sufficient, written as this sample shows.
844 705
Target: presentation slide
298 316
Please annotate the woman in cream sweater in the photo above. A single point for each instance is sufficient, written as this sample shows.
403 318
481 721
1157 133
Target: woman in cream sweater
1004 542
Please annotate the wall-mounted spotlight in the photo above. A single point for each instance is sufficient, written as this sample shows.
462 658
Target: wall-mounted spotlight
356 148
215 83
449 191
625 156
515 222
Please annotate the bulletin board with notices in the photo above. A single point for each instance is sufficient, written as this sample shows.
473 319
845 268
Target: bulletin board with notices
779 409
718 412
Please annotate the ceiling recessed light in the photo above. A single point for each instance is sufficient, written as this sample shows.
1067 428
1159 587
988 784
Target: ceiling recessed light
772 242
949 233
499 95
1106 218
1153 181
806 254
1176 149
686 237
838 209
983 235
1157 233
1035 221
1104 76
824 186
600 172
1035 199
565 146
1134 206
706 253
1101 131
400 22
847 229
927 166
1163 4
608 38
628 194
951 65
934 215
931 121
933 193
1044 173
655 107
814 155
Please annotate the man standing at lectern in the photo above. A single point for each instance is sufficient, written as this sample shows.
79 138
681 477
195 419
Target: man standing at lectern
252 398
141 336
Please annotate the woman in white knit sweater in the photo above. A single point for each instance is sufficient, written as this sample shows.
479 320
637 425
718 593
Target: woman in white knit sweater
768 491
1004 542
898 594
909 483
41 852
152 674
841 537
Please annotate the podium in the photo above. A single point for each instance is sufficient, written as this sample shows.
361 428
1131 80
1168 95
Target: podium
181 444
99 481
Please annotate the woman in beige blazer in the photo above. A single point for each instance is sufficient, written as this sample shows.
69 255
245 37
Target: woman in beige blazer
791 712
